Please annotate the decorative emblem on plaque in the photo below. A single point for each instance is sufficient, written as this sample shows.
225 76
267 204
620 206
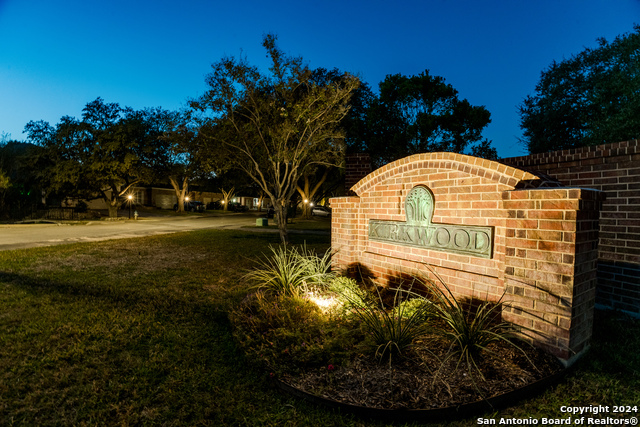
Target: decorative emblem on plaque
419 206
419 231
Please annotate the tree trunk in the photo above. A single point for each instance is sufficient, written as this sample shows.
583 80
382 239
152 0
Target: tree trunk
304 195
114 204
180 190
111 200
260 202
113 211
308 194
281 218
226 195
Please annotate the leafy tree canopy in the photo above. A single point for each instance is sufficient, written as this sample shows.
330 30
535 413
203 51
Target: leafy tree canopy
416 114
103 155
178 157
274 126
591 98
19 191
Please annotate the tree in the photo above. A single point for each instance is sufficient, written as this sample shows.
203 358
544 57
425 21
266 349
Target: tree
484 150
315 177
308 191
19 191
226 196
103 155
591 98
355 123
5 182
178 157
274 126
420 114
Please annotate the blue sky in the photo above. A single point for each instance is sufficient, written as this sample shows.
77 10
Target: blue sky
56 56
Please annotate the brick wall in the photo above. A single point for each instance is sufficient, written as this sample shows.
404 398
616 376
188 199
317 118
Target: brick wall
357 166
615 170
550 266
537 234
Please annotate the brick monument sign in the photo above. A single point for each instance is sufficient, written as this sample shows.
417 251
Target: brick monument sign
489 230
614 169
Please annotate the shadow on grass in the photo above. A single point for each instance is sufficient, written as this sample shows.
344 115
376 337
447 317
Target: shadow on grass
125 296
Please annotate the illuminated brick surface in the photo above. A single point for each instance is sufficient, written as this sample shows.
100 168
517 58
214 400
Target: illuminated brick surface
545 240
615 170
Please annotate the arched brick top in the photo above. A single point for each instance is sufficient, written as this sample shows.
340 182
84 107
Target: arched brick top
494 171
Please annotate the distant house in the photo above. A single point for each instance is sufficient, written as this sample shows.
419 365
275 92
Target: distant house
165 198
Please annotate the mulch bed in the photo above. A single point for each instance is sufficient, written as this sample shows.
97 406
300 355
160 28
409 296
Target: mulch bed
421 381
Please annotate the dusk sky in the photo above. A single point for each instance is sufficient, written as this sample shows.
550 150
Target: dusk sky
56 56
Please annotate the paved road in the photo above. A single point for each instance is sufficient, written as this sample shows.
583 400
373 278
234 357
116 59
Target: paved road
17 236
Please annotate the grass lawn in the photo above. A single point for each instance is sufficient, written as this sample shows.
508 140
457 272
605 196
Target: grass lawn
313 223
135 332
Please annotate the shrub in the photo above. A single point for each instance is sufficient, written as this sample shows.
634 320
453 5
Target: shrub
284 317
346 290
289 334
317 268
392 331
292 272
81 207
469 329
417 307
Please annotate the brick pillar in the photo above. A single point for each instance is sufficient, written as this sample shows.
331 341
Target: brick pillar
344 233
550 266
357 166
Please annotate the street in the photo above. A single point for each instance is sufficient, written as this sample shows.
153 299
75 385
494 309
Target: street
18 236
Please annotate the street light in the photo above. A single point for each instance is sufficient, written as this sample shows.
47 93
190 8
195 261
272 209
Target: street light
130 197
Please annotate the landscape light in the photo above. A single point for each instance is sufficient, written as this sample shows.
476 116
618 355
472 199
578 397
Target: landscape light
324 303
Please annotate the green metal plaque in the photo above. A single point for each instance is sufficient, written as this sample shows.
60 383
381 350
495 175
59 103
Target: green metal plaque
419 231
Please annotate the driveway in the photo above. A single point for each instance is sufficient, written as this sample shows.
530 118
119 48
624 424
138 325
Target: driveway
18 236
